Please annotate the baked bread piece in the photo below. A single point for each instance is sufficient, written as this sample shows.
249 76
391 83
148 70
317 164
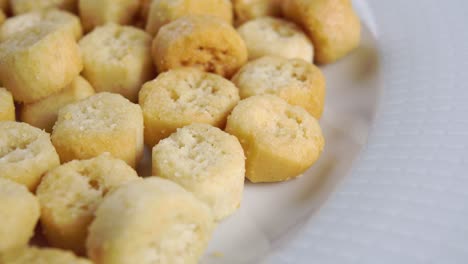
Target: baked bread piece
275 37
150 221
26 153
61 19
165 11
117 59
332 25
205 42
19 211
206 161
7 106
99 12
280 141
30 255
70 194
295 80
101 123
246 10
43 113
25 6
185 96
38 62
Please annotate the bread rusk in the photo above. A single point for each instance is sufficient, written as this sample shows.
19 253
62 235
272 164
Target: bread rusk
95 13
38 62
332 25
280 141
103 122
26 153
7 106
43 113
25 6
117 59
298 82
268 36
185 96
206 161
204 42
151 220
70 194
59 18
19 211
165 11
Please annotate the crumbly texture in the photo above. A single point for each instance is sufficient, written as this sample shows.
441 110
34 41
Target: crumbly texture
268 36
204 42
246 10
26 153
150 221
165 11
117 59
60 19
296 81
70 194
19 211
25 6
206 161
332 25
38 62
43 114
185 96
99 12
29 255
7 106
280 141
92 126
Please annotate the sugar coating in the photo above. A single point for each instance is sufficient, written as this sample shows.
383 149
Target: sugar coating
101 123
165 11
280 141
246 10
150 221
26 153
204 42
117 59
99 12
19 211
206 161
25 6
70 194
43 114
7 106
184 96
38 62
36 255
294 80
61 19
332 25
275 37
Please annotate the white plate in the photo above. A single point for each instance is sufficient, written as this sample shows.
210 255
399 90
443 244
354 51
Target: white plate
270 213
406 199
